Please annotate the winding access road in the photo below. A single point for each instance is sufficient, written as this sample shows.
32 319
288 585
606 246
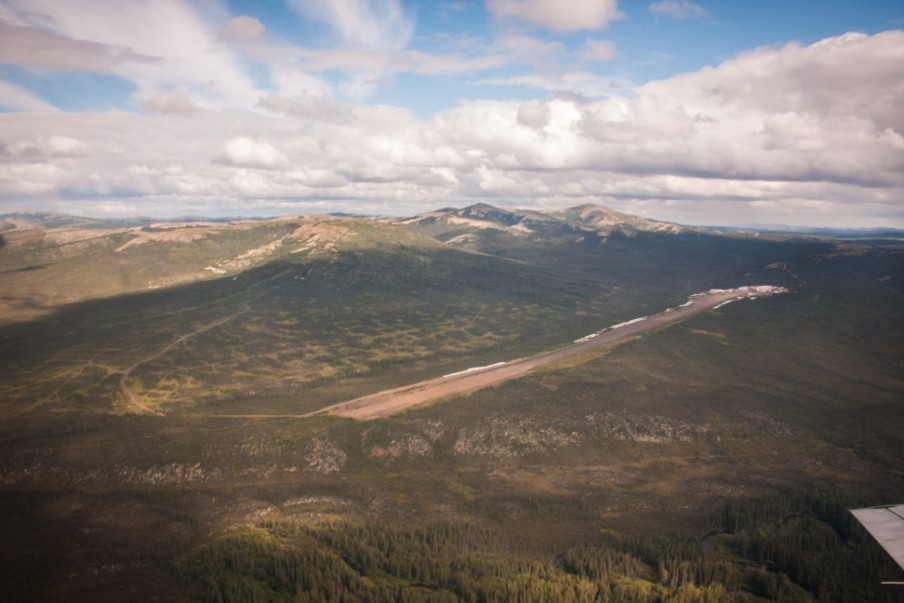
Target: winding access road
392 401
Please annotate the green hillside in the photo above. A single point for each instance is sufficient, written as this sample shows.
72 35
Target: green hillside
713 460
369 304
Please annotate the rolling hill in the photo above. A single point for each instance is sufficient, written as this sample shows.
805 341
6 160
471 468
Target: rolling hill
710 460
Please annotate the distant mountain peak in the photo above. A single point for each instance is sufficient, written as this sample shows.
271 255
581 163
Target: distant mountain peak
45 219
502 216
600 218
479 208
473 227
477 216
585 217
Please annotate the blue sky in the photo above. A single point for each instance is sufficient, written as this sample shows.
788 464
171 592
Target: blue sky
709 112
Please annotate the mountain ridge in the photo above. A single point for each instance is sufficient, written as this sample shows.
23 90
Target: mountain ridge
587 217
48 259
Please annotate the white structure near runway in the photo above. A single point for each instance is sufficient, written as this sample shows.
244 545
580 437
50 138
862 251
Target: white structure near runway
745 292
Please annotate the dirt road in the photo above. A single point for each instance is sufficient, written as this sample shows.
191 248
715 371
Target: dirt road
389 402
134 402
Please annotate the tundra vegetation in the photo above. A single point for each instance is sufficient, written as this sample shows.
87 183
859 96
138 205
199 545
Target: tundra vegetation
712 460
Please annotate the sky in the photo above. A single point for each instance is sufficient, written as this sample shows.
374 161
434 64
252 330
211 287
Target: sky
716 112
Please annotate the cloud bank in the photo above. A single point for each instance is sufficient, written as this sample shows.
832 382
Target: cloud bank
798 134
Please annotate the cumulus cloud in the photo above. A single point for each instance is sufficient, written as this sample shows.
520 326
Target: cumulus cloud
41 148
845 76
243 28
319 108
249 152
597 50
64 146
558 15
173 102
801 127
533 115
678 9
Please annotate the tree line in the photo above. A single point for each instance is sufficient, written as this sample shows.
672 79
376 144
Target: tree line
791 548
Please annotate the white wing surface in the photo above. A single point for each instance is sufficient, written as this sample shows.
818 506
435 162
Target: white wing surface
886 524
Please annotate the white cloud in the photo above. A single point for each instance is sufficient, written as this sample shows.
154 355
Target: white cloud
41 149
582 83
369 32
597 50
559 15
14 98
243 28
310 107
33 47
678 9
505 51
64 146
367 68
534 115
250 152
782 132
373 24
425 63
174 46
180 60
294 83
841 90
170 101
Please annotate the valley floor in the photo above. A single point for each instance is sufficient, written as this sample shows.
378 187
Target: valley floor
387 403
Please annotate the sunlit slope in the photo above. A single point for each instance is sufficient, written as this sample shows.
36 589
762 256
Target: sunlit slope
472 226
596 242
290 325
51 262
292 314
